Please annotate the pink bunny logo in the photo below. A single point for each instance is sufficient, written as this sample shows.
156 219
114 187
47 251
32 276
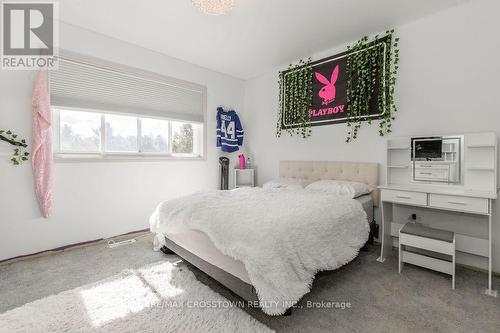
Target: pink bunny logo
328 91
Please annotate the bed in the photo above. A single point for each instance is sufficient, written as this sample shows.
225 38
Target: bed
198 248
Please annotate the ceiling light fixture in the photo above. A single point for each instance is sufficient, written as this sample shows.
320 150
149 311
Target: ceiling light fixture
214 7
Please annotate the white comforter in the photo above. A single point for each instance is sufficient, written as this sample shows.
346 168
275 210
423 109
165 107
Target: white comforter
283 237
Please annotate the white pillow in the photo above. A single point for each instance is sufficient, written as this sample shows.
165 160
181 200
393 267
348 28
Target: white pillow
341 187
290 183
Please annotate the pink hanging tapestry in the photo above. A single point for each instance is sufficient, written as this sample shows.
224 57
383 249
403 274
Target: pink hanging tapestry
42 150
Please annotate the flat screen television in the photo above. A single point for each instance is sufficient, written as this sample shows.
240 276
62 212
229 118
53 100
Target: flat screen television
427 148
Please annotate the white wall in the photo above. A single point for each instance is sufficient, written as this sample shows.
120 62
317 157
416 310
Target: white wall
448 83
99 199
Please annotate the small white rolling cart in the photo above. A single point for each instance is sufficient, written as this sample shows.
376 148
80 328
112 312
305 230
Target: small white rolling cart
244 178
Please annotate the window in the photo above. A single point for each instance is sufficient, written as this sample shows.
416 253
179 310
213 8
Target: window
182 138
108 110
154 135
121 133
91 134
80 131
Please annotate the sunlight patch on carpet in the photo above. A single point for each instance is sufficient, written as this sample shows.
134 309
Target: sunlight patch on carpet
117 299
139 300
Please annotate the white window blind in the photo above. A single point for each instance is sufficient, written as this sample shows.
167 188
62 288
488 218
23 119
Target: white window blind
98 85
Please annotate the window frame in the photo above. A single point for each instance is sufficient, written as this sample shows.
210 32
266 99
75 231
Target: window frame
199 134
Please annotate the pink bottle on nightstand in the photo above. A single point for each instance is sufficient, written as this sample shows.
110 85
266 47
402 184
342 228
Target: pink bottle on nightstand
242 161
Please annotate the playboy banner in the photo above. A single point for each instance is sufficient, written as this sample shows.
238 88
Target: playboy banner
329 101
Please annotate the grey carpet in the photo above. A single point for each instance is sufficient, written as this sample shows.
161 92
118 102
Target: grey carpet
381 300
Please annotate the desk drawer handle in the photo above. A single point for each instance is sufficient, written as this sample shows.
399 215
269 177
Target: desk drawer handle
426 173
403 197
457 203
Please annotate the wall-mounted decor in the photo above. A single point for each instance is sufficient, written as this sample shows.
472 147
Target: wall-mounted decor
350 87
295 98
20 153
372 66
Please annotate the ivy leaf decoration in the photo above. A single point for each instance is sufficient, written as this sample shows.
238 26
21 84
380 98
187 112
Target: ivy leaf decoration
376 66
20 153
371 63
295 99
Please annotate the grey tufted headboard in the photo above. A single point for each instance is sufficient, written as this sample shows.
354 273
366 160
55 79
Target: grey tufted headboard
362 172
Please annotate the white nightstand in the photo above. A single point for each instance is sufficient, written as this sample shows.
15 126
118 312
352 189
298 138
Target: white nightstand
244 178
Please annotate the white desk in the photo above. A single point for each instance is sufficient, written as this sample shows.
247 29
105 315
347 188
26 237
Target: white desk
447 198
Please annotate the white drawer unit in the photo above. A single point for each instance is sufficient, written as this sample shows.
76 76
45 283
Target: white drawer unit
405 197
430 174
459 203
444 199
428 166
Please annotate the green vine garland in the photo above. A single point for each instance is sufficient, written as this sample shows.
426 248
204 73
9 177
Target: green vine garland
371 64
20 153
295 101
365 63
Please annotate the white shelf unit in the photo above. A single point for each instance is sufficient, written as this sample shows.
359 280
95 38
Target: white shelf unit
478 168
481 161
398 160
481 146
450 151
244 178
399 148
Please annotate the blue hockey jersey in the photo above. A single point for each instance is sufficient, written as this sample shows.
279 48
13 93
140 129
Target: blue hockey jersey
229 130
